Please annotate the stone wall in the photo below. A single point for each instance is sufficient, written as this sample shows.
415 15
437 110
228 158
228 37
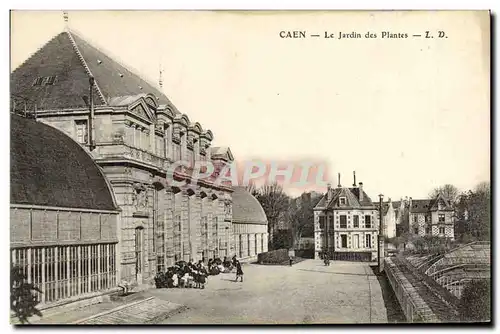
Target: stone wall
38 226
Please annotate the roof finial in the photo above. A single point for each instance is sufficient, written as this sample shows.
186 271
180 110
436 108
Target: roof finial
66 18
160 79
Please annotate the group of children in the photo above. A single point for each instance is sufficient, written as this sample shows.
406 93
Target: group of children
190 275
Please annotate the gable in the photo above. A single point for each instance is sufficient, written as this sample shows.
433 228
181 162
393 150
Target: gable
140 111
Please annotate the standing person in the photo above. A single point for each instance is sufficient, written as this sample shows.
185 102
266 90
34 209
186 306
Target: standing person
291 260
234 260
239 271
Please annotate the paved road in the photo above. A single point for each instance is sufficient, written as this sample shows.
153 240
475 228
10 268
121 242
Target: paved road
308 292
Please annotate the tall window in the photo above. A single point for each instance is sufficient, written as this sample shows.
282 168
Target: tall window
166 130
81 131
355 241
368 241
441 217
322 222
138 250
343 221
368 221
356 221
241 245
343 240
61 272
415 218
441 230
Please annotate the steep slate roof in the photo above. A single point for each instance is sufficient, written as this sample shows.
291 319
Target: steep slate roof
426 205
352 199
420 205
246 208
72 60
49 168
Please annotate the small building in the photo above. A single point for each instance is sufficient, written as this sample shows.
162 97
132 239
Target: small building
249 225
392 216
63 215
431 217
346 224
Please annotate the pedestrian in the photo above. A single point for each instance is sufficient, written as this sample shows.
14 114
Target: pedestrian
239 271
291 261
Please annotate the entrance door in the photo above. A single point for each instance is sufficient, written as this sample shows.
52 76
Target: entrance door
138 253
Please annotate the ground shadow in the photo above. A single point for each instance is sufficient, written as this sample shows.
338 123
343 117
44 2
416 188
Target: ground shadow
394 311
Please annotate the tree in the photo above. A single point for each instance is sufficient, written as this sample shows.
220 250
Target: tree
301 215
252 189
473 214
23 297
275 203
449 191
475 303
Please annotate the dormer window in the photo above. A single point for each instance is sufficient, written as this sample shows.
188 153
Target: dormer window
38 81
343 201
50 80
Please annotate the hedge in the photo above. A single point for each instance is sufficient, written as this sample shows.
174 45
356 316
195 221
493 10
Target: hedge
279 256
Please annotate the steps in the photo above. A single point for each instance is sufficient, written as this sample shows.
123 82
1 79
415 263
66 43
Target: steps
145 311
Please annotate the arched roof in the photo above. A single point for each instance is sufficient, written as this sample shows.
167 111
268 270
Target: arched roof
48 168
246 208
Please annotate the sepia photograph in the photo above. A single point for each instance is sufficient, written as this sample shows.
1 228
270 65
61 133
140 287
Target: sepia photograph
231 167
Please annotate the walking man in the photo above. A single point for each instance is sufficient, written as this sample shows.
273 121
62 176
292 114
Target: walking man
239 272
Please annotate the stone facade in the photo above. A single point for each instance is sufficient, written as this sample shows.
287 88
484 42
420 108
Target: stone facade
346 224
146 149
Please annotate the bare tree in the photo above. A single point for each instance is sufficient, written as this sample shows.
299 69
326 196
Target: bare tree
252 189
448 191
275 203
302 215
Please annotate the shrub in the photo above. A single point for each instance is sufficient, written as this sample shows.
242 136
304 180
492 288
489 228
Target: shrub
279 256
23 297
475 303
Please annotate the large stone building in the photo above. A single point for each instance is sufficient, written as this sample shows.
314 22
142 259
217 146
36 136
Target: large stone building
135 134
249 225
346 224
63 215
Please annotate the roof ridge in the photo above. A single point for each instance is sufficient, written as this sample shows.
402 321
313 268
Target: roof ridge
35 53
129 68
84 63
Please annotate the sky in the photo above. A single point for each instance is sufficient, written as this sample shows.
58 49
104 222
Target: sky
407 115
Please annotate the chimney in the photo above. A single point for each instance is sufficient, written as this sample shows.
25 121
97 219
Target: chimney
339 182
328 192
409 203
91 116
354 175
361 191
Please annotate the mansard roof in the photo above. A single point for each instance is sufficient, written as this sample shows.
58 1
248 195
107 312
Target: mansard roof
49 168
72 60
352 199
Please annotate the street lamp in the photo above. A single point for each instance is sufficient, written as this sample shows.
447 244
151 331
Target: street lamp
380 248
